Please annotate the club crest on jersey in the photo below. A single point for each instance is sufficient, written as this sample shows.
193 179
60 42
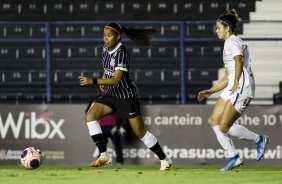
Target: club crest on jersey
112 63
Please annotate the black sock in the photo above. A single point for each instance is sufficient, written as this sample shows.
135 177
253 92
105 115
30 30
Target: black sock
158 151
99 142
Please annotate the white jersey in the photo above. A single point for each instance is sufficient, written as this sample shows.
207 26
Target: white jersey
234 46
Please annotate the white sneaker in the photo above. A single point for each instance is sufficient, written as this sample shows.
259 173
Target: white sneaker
166 164
102 160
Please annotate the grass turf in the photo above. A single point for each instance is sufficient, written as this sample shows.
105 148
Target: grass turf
138 175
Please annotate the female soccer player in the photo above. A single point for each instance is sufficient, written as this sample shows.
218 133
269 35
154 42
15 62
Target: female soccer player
238 86
121 94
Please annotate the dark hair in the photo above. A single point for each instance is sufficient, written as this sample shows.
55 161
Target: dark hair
140 36
230 19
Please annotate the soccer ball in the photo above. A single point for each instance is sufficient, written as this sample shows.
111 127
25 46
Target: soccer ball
31 158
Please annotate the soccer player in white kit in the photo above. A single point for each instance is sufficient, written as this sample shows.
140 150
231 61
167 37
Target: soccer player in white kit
238 87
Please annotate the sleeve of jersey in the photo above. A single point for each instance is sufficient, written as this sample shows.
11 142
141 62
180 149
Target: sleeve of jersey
235 48
123 61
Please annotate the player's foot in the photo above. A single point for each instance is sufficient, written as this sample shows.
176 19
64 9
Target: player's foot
261 145
102 160
166 164
232 162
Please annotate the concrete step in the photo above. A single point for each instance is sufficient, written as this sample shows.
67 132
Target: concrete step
265 15
262 30
270 6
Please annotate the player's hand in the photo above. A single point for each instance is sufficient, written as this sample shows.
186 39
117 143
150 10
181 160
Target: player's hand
234 87
85 80
102 87
203 94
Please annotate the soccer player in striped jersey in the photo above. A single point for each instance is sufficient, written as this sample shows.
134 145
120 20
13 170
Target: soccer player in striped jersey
238 87
121 92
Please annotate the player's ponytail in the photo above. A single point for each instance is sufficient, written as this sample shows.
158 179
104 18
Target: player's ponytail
140 36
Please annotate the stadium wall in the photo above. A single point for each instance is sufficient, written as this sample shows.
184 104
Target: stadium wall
60 132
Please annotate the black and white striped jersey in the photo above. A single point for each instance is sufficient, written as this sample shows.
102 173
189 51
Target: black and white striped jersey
119 59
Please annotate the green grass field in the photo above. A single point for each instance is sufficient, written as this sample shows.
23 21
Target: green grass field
138 175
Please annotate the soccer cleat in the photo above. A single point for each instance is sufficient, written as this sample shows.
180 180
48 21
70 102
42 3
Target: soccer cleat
232 162
166 164
261 145
102 160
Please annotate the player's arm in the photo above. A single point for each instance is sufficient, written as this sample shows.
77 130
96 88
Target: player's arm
238 72
104 81
111 81
223 82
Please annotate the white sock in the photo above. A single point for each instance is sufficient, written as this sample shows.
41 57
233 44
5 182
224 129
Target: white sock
149 140
94 128
225 141
243 133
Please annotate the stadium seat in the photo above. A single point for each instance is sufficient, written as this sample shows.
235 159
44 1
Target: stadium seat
16 77
161 7
201 76
108 7
33 7
8 7
58 7
135 7
277 98
84 7
66 77
171 76
148 76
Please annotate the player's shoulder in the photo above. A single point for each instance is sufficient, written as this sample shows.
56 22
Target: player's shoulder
233 40
123 48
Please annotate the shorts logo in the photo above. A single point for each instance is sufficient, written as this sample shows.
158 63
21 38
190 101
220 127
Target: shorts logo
131 113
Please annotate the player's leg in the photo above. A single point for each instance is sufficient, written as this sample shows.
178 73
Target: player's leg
243 133
229 116
138 127
223 138
116 140
215 118
96 112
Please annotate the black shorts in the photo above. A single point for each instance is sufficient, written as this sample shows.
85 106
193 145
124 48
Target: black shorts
126 107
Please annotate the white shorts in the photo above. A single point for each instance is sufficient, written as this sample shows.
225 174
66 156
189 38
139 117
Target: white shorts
239 100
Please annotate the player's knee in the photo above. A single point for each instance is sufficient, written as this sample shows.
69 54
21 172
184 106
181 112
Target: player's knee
224 129
213 121
89 117
140 133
